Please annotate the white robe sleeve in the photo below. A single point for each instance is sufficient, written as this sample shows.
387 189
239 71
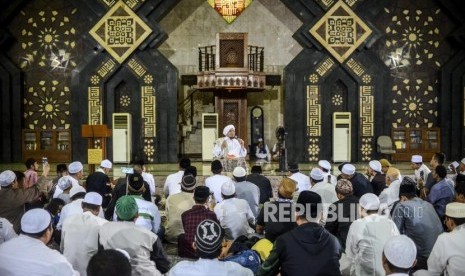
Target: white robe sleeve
437 260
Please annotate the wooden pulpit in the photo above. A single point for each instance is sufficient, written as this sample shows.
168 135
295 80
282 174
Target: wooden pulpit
96 143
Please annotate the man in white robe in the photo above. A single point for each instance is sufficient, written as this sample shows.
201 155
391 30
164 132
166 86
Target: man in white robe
367 237
230 147
28 254
79 236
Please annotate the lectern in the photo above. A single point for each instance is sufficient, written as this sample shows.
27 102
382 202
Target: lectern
96 143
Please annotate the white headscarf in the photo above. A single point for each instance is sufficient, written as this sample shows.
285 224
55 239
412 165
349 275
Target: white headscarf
227 128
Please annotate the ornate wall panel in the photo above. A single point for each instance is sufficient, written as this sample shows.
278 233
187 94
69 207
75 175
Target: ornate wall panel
46 51
68 76
396 69
343 82
414 47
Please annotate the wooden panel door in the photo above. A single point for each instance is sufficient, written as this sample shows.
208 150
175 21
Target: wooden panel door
232 109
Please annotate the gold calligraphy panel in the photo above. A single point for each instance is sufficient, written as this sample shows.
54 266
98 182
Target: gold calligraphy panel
95 106
366 110
120 31
229 9
313 110
340 31
148 111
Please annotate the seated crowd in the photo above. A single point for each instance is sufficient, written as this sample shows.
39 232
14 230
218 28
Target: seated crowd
373 223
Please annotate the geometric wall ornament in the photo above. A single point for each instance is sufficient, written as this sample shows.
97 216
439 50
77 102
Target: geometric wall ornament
229 9
340 31
120 31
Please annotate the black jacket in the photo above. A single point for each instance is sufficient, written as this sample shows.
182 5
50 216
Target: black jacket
306 250
360 184
263 184
378 183
338 227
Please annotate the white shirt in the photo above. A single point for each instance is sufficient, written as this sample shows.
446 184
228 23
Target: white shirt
390 195
114 235
214 183
73 208
423 168
29 256
6 230
58 191
233 149
448 254
263 155
148 177
206 267
365 242
303 181
173 183
79 239
149 217
234 215
327 193
332 178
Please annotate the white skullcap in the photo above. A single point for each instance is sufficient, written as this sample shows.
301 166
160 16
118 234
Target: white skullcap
463 161
6 178
93 198
260 139
75 167
369 202
400 251
35 221
227 128
455 210
317 174
239 172
417 159
324 164
64 182
375 165
348 169
106 164
76 189
228 188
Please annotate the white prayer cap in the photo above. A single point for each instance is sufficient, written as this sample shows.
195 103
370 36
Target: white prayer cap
369 202
228 188
324 164
455 210
239 172
75 167
35 221
64 182
348 169
417 159
375 165
227 128
463 161
317 174
76 189
400 251
6 178
93 198
106 164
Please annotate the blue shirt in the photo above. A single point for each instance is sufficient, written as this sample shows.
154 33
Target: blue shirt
440 195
